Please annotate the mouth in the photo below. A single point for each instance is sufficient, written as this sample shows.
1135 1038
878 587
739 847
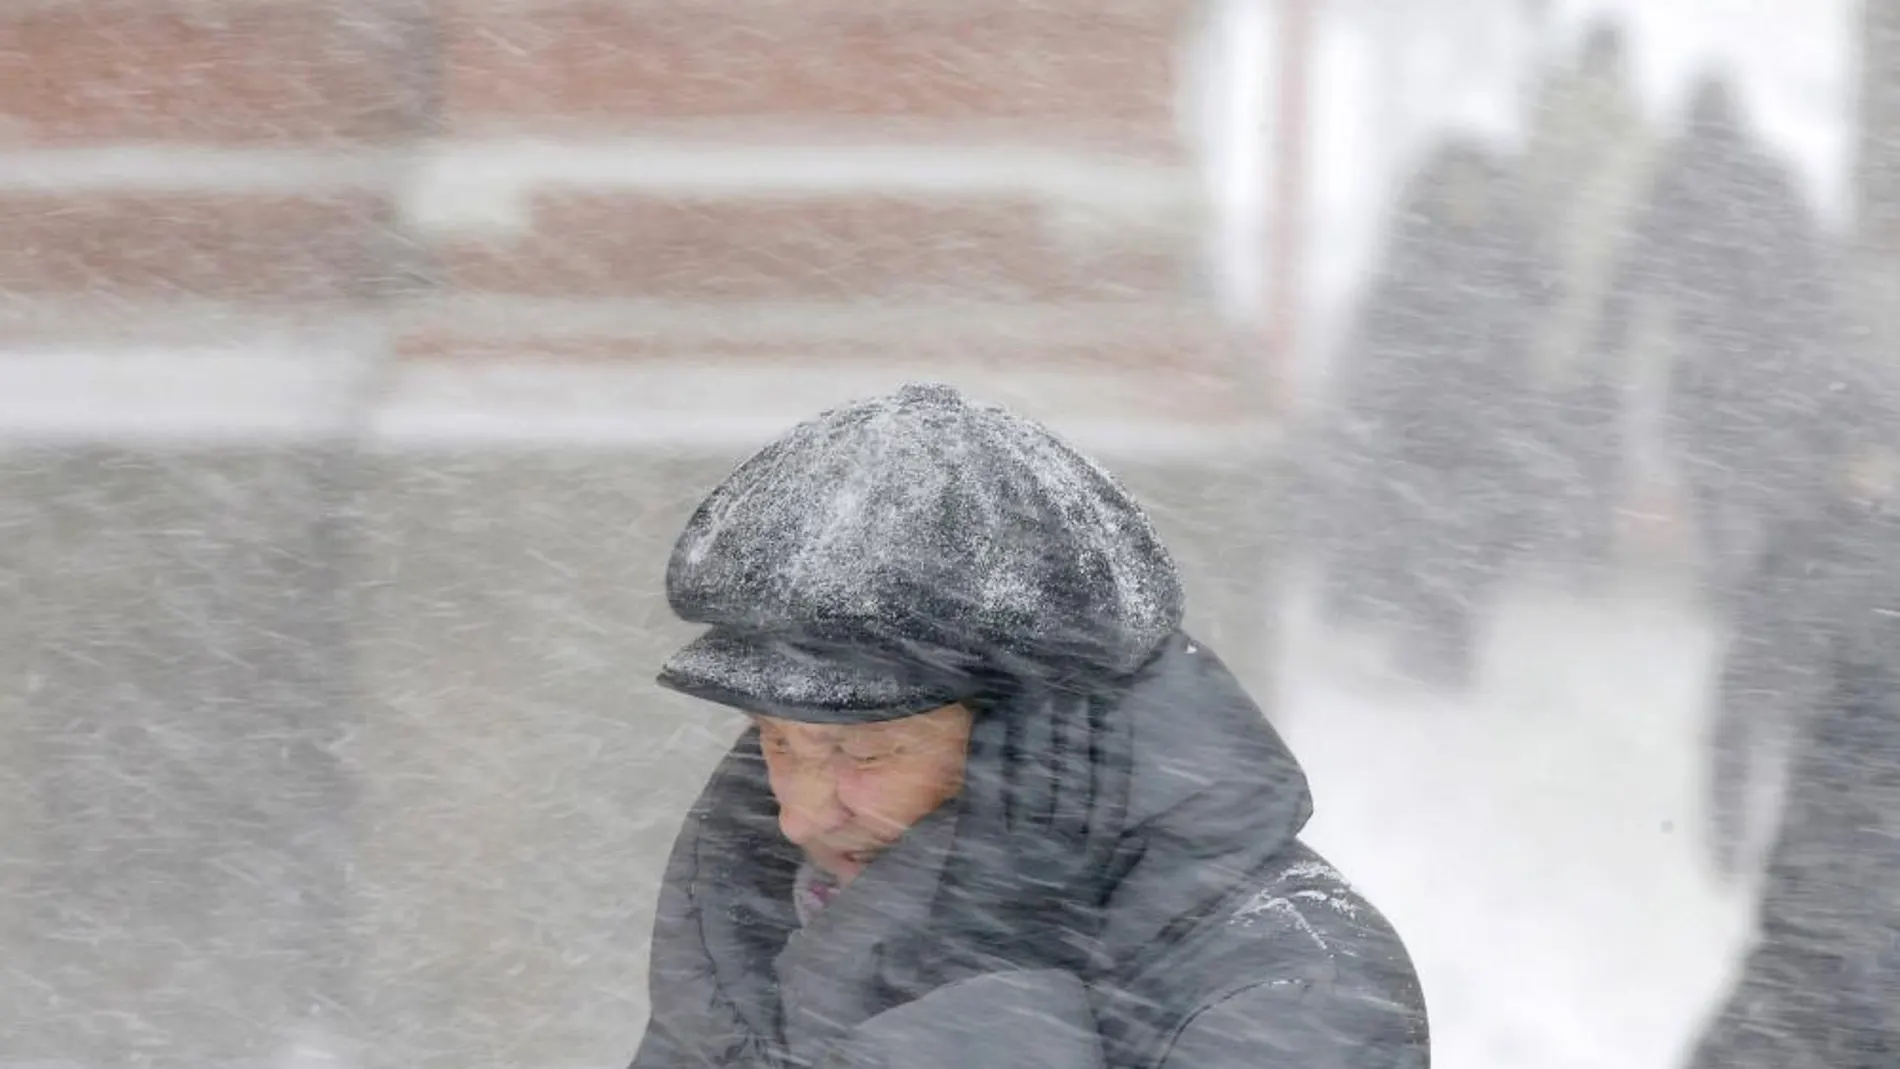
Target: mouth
848 859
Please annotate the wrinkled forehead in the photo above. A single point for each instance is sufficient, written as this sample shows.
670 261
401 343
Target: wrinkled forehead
949 718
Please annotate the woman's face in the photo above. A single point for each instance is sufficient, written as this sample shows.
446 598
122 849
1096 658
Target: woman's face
848 792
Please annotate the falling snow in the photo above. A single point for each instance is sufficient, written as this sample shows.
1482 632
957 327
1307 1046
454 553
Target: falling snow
362 361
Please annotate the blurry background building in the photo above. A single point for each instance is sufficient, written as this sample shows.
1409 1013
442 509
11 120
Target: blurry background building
363 359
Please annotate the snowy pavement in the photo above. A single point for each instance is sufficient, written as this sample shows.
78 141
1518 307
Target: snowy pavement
1537 843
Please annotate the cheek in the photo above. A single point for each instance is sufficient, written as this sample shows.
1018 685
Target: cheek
862 792
898 797
783 780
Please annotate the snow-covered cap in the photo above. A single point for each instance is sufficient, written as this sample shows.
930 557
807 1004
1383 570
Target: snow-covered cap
889 556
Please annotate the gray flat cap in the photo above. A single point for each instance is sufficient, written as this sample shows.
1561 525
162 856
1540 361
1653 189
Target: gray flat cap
883 558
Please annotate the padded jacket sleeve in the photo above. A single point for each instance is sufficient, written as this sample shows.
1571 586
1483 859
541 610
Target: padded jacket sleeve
1005 1020
1292 1025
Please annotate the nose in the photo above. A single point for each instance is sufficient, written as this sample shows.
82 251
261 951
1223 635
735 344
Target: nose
808 806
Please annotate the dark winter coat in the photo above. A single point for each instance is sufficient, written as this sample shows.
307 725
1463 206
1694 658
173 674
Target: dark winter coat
1230 943
1431 443
1451 317
1826 556
1821 987
1734 261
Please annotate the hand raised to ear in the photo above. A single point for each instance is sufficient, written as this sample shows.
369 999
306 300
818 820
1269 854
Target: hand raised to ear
1041 818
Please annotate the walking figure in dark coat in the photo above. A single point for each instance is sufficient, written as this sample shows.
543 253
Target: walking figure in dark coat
1586 171
1786 611
1728 277
992 808
1821 986
1433 415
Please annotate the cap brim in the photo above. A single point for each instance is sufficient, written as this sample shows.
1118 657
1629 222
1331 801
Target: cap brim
762 674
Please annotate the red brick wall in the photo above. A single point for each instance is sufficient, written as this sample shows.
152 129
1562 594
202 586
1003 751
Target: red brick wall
601 184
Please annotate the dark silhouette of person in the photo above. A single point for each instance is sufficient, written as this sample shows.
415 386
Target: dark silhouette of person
1818 642
1432 422
1729 268
1586 171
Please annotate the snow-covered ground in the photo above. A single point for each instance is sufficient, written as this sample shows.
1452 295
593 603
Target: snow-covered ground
1536 842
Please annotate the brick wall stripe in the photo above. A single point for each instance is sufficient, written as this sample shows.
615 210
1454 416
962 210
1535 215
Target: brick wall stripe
484 184
614 63
336 72
845 248
269 248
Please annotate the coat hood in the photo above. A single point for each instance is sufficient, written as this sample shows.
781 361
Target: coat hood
1215 899
1216 796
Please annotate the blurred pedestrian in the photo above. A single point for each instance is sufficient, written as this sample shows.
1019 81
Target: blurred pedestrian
1434 415
1821 985
1586 172
1730 266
